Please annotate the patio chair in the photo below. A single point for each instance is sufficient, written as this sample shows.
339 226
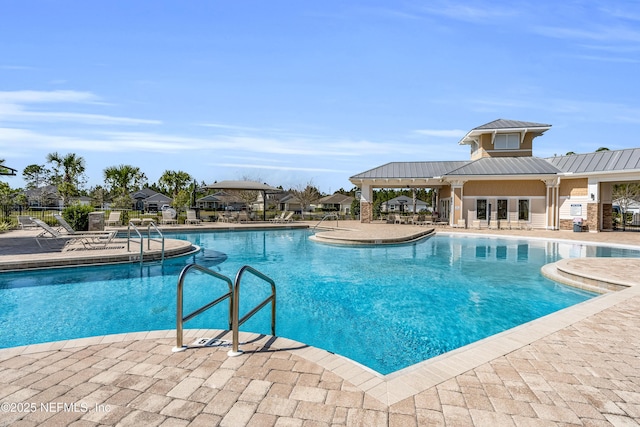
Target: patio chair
191 218
25 221
462 223
88 240
167 218
69 229
114 218
278 218
287 218
243 216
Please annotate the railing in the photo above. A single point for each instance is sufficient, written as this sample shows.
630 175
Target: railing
180 319
329 215
161 240
234 304
235 351
139 235
149 239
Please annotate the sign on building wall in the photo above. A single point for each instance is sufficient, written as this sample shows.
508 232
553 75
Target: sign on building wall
576 209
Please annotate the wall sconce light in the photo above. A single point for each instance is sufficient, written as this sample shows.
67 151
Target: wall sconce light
593 196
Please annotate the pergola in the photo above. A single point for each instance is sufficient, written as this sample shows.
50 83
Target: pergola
6 170
246 186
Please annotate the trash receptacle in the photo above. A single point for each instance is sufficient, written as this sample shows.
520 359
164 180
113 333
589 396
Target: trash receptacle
577 225
96 221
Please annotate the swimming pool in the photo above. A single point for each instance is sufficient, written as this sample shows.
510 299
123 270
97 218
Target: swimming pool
386 307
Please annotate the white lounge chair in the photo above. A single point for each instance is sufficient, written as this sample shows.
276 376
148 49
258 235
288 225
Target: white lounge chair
114 218
462 223
279 218
88 240
167 218
287 218
191 218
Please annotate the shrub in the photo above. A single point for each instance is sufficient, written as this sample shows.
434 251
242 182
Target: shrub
77 216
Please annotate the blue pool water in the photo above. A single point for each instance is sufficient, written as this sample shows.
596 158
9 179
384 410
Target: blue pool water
385 307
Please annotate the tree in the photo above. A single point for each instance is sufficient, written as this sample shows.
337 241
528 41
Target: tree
67 174
625 194
35 176
181 200
602 149
174 181
306 195
123 179
98 196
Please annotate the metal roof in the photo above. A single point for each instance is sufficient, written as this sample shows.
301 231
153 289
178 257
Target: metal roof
510 124
506 166
502 125
241 185
410 170
601 161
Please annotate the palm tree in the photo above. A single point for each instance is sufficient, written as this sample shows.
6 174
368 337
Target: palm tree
67 174
174 181
124 178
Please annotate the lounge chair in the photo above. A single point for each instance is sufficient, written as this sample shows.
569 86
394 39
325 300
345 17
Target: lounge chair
88 240
279 218
243 217
69 229
504 224
288 218
462 223
114 218
25 221
191 218
167 218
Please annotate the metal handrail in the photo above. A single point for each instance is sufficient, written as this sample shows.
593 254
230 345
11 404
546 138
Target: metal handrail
329 215
179 310
235 351
139 235
155 240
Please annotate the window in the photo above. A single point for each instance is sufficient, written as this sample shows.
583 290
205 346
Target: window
481 209
506 141
523 210
502 208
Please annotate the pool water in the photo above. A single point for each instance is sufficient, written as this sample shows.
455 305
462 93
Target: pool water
386 307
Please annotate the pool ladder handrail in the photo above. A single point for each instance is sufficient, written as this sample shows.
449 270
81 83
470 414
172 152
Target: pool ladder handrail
329 215
234 304
139 235
179 309
235 351
149 225
161 240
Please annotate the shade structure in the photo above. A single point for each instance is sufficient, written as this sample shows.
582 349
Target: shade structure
247 186
242 185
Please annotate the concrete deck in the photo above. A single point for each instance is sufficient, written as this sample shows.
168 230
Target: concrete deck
580 366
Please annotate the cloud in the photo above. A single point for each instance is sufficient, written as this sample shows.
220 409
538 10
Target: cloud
13 107
279 167
57 96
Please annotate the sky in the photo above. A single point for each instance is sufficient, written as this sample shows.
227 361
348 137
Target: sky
293 92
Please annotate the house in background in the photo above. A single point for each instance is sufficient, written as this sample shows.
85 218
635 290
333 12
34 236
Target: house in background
220 201
336 202
148 200
503 181
403 204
